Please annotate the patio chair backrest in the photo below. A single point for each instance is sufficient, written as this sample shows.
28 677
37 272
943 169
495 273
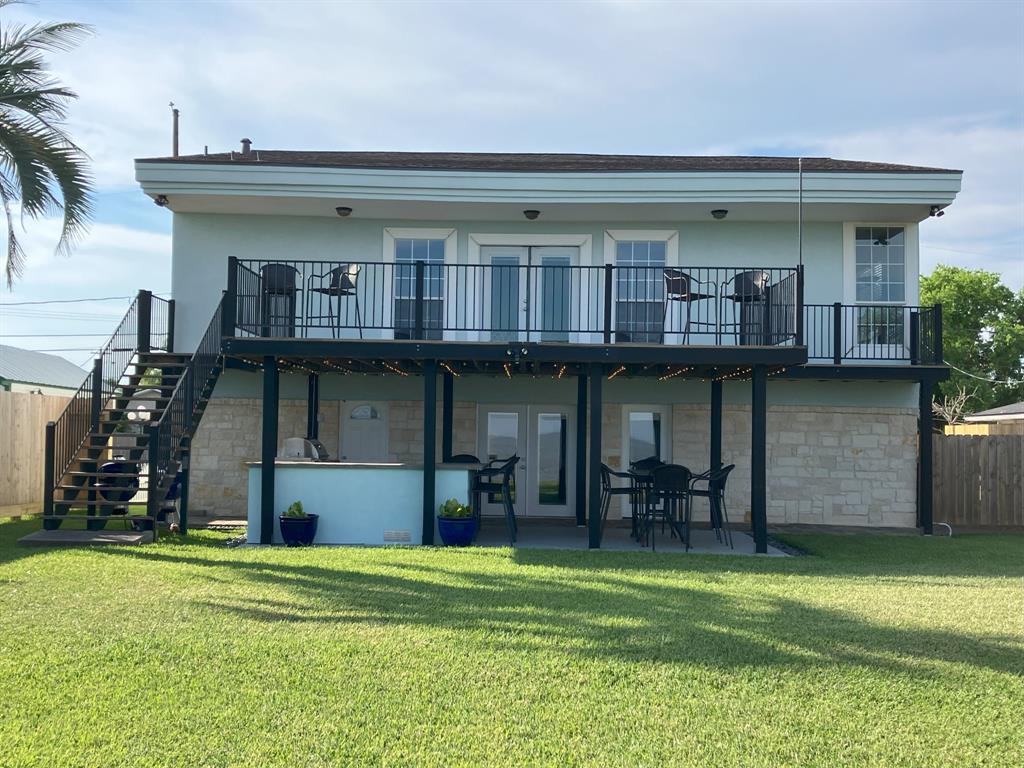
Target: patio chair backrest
672 478
463 458
748 286
278 279
646 465
718 478
344 278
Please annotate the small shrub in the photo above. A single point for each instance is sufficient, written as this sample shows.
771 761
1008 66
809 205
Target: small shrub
296 510
453 508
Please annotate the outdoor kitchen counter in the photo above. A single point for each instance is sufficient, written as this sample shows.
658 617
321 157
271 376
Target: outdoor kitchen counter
358 503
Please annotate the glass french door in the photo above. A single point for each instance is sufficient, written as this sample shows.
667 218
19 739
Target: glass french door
543 438
528 291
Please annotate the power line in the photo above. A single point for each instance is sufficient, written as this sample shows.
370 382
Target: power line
64 301
48 335
982 378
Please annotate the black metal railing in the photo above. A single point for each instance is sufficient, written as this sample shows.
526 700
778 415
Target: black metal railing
178 418
842 333
134 335
551 301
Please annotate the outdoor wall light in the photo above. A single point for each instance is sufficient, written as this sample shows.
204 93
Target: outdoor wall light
936 210
719 213
343 210
161 200
531 214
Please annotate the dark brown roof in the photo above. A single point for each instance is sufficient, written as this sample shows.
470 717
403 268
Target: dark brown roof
537 162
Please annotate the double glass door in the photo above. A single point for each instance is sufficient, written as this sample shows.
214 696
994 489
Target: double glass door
543 438
529 291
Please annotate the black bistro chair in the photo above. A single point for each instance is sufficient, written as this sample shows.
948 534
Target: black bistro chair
641 472
684 289
334 286
714 492
277 299
670 495
747 318
609 490
497 477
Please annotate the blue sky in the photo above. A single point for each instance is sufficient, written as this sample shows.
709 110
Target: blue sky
931 83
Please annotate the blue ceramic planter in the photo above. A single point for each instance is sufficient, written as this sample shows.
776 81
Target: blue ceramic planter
457 531
298 531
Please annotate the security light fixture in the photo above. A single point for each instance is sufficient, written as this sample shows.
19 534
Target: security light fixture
343 210
161 200
936 211
719 213
531 214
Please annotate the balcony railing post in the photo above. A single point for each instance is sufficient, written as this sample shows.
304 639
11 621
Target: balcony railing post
420 279
229 308
48 469
837 333
915 337
169 345
937 334
145 317
800 305
97 394
609 274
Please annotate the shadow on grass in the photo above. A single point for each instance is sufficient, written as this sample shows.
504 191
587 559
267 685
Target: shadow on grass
606 612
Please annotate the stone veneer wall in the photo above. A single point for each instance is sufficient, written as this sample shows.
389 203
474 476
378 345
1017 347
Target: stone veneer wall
837 465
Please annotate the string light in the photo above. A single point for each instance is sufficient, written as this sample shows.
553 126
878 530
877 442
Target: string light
450 370
394 368
508 370
616 372
737 374
677 372
561 372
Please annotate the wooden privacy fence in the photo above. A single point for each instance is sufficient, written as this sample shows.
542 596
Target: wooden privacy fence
979 480
23 418
987 428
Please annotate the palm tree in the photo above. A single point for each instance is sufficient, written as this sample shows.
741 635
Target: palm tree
41 168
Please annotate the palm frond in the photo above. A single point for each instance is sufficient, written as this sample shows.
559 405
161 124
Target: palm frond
41 168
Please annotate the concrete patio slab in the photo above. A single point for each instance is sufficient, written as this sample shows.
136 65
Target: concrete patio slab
536 534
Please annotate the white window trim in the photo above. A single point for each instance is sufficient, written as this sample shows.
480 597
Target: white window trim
912 262
450 237
666 429
478 240
669 236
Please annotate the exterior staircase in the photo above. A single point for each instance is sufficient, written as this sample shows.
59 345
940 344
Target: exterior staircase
137 365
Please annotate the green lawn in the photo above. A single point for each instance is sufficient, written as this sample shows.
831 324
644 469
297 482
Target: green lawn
880 651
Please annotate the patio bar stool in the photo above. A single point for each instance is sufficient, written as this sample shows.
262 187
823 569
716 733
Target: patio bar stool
641 473
670 491
496 477
334 286
748 292
714 492
683 288
608 490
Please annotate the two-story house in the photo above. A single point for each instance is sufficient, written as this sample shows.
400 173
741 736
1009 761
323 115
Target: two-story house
577 309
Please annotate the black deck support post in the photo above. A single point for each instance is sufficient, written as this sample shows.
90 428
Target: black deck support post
418 321
837 333
937 335
924 456
185 466
609 273
144 308
915 338
229 310
799 305
596 376
581 450
429 448
49 454
169 344
716 424
758 459
271 397
153 475
313 406
447 415
95 413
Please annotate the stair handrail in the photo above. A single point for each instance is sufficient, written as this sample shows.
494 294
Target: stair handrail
176 420
70 430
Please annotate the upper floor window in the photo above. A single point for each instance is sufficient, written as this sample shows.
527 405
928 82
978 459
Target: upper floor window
881 267
640 290
407 252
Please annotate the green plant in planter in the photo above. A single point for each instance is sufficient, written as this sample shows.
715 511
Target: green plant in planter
295 510
453 509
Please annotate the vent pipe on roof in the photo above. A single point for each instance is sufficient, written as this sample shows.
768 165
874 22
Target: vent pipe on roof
174 130
246 147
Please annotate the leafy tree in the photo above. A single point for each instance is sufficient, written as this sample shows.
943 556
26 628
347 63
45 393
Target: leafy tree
41 168
983 333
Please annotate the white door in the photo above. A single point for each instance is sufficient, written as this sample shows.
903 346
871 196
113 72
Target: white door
544 439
